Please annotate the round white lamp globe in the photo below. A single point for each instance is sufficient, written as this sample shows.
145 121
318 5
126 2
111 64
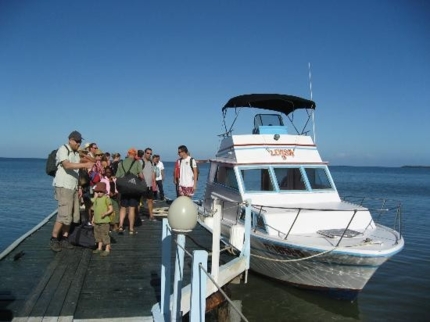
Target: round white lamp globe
182 215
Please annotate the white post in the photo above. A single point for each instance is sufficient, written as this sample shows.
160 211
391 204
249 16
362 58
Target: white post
165 269
216 235
198 286
179 274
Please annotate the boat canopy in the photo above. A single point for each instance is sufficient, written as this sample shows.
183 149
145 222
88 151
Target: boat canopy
274 102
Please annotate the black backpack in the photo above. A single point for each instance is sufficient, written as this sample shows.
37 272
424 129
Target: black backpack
51 164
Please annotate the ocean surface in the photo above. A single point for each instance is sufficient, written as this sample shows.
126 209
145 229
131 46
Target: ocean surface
399 291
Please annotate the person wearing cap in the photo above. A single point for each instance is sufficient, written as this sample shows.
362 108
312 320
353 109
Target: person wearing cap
102 206
98 167
67 191
130 202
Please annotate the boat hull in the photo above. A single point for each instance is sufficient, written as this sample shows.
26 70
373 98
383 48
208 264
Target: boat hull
342 276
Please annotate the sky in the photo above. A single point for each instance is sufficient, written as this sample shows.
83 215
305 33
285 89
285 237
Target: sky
157 73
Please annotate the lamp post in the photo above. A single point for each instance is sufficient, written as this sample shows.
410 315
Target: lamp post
182 219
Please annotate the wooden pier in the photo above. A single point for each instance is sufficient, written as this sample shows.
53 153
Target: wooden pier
37 284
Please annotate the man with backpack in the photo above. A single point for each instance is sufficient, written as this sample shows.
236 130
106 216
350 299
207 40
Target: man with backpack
67 191
188 173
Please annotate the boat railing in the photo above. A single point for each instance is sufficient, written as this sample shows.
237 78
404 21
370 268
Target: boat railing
378 207
386 212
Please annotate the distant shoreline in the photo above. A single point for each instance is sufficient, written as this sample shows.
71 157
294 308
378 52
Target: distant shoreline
415 166
201 161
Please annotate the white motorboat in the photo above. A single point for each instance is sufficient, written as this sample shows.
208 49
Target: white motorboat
303 233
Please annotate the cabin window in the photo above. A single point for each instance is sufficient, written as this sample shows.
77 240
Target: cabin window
256 180
318 178
226 177
290 179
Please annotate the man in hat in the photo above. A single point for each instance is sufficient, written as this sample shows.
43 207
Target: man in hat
130 202
67 191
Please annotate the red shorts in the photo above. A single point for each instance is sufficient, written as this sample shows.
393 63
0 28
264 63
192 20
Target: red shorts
186 191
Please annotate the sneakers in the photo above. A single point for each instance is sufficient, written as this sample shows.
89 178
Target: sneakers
132 232
55 245
105 253
97 251
66 244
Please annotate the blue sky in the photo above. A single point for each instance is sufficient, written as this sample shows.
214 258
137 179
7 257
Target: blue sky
156 73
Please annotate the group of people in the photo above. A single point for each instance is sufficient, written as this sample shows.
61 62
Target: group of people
88 176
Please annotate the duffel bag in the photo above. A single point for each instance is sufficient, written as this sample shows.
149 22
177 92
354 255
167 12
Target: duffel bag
83 236
131 184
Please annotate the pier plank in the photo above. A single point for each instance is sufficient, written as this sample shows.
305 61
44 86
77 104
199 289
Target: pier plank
77 285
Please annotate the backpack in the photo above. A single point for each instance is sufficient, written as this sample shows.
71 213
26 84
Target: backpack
51 162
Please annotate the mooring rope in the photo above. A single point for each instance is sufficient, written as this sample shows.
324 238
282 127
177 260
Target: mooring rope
293 260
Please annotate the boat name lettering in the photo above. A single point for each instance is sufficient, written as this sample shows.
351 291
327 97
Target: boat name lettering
284 153
284 251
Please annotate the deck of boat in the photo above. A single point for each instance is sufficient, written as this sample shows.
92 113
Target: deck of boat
37 284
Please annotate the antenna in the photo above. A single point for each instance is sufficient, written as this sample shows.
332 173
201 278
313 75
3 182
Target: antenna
313 112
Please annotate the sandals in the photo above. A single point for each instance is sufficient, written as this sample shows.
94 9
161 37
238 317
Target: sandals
120 230
132 232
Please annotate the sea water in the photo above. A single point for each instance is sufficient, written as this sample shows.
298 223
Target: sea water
399 290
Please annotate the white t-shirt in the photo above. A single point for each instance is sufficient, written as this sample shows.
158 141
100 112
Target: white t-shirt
160 167
186 178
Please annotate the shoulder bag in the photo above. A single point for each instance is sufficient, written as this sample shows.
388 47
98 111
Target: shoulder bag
130 184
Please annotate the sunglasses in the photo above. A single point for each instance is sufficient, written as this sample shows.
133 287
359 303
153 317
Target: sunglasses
78 141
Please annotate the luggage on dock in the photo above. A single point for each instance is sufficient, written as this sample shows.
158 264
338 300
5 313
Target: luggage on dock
83 236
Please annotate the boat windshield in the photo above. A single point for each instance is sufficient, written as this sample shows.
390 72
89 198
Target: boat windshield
267 119
286 179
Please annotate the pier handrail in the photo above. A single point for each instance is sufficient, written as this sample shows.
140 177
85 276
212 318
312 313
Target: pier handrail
184 300
15 244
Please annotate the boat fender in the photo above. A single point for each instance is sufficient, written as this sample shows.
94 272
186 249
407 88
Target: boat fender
237 236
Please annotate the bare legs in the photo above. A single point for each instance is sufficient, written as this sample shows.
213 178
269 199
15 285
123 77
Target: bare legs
150 203
60 228
131 217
